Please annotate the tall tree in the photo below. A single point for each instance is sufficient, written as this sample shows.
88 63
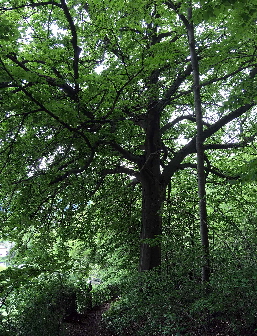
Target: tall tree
199 143
91 89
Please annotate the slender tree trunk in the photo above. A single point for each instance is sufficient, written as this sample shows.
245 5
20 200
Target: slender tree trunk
200 151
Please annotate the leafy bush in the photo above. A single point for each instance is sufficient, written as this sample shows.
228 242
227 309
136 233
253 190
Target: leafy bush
111 287
233 298
39 307
154 304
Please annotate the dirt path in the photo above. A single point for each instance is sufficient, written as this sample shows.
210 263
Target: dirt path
89 324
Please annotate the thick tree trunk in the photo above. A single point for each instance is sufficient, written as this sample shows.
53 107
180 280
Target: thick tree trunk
150 255
150 172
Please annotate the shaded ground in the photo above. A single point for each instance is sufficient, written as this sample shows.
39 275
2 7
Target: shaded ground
89 324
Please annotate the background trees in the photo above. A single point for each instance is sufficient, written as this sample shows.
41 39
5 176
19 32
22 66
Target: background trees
99 113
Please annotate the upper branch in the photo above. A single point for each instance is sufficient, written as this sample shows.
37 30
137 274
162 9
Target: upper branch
212 170
211 81
32 5
176 7
50 80
125 153
222 78
231 145
120 90
178 119
174 87
190 147
58 119
226 119
63 177
74 41
117 170
121 170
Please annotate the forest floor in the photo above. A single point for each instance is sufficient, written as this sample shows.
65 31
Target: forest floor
90 324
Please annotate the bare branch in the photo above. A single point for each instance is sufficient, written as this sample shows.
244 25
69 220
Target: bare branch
211 81
32 5
119 92
190 148
226 119
175 7
163 35
5 85
174 87
52 81
43 108
56 82
58 119
222 78
117 170
125 153
212 170
231 145
177 120
121 170
253 72
77 171
74 42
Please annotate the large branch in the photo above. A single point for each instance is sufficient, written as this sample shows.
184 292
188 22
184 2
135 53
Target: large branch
116 170
58 119
120 170
174 87
212 170
74 42
4 85
51 114
125 153
177 120
74 171
50 80
231 145
211 81
226 119
175 7
190 148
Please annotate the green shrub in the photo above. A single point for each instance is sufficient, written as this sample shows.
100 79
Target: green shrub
39 307
152 303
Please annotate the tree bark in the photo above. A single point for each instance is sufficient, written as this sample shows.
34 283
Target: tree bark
150 174
150 254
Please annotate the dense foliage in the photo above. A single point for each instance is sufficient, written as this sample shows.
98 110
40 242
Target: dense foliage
119 121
